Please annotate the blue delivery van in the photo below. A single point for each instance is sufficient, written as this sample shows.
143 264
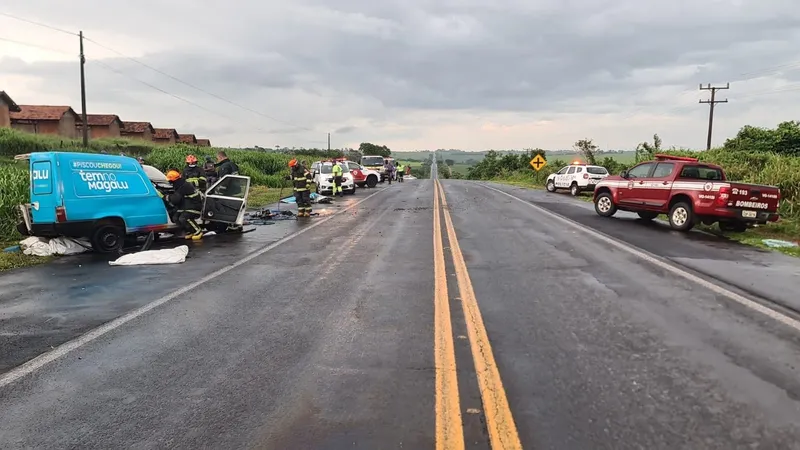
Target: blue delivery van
107 198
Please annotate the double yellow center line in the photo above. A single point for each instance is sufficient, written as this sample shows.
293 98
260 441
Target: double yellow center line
449 428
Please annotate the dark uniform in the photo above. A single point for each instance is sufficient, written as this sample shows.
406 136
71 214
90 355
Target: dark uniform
188 204
302 192
196 176
210 170
227 167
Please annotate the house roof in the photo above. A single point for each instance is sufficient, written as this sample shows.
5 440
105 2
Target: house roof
187 138
43 112
204 142
12 107
101 120
165 133
136 127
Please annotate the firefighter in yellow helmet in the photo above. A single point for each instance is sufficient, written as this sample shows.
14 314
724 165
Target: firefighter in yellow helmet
302 192
194 174
188 204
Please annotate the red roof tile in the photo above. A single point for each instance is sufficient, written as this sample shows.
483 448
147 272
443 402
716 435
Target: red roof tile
165 133
204 142
12 107
42 112
136 127
187 138
101 120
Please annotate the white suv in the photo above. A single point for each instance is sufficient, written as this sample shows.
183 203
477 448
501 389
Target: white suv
323 177
577 178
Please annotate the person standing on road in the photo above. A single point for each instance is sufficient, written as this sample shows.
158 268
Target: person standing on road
338 178
400 171
194 174
188 204
389 170
302 193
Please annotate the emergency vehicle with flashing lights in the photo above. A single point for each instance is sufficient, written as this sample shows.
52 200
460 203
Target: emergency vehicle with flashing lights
577 177
688 192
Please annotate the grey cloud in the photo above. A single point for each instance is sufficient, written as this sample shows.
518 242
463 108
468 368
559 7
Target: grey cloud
345 130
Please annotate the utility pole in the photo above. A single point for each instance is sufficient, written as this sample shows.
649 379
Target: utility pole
712 102
84 128
329 142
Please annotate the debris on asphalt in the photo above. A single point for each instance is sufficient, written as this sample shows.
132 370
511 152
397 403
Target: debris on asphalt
268 216
41 246
778 243
175 255
315 198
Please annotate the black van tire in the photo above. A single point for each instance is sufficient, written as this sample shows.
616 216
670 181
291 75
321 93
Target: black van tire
22 229
107 237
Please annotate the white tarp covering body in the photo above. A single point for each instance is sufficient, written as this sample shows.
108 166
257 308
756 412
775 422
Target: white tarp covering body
40 246
175 255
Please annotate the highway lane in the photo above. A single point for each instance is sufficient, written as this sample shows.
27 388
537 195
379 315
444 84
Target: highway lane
339 338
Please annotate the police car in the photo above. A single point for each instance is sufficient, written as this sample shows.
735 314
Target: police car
577 177
322 171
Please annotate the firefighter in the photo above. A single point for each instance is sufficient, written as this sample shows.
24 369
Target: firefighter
302 194
338 178
400 171
309 182
194 174
188 204
210 170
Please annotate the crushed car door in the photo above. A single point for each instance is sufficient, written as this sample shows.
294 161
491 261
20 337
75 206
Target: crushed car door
226 200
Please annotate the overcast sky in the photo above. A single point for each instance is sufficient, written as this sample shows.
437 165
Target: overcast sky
416 74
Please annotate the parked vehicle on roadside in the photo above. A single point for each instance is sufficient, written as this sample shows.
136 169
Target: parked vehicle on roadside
374 163
577 177
108 198
322 171
688 192
362 176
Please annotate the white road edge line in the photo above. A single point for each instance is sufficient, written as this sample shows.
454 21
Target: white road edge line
786 320
69 346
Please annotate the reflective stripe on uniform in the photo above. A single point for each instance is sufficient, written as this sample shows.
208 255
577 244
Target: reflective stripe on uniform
189 211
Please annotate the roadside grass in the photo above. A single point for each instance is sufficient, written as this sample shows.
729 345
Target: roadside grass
786 229
261 196
15 260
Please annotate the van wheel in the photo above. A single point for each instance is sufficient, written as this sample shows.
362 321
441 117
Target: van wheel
681 217
372 181
107 237
574 189
22 229
604 205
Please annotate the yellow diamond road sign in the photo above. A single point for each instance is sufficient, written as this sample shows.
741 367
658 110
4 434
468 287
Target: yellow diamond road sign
538 162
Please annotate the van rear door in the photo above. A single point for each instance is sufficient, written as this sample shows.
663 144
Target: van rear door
45 197
226 200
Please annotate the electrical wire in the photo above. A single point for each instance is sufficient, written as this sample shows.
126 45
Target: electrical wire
32 22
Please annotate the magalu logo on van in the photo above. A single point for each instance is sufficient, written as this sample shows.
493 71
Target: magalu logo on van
40 174
103 181
96 165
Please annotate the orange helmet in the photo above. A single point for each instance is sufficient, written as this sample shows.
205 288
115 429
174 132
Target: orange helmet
173 175
191 159
292 163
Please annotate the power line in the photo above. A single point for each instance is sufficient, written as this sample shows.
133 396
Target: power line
186 83
32 22
711 104
41 47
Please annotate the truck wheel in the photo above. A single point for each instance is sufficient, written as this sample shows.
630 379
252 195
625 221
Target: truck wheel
107 237
681 217
372 181
574 189
551 186
647 215
604 205
733 226
22 229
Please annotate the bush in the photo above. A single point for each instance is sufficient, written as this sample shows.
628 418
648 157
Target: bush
14 179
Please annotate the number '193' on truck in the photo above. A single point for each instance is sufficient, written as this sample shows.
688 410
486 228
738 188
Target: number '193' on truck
688 192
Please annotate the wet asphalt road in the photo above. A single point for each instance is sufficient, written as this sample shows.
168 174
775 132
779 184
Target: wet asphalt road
327 340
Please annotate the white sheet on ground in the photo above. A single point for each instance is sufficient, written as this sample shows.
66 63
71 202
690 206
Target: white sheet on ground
40 246
175 255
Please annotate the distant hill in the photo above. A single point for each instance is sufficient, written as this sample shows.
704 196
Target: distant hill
470 158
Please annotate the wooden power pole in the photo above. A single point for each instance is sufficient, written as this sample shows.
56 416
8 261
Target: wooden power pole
85 127
711 103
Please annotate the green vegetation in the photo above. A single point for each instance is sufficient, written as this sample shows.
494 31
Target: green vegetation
754 155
